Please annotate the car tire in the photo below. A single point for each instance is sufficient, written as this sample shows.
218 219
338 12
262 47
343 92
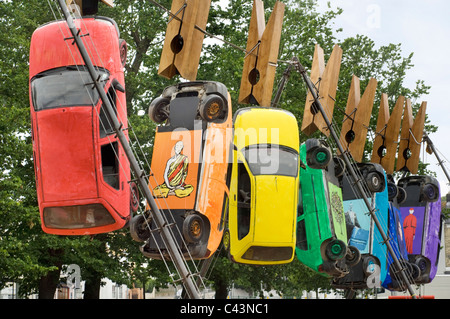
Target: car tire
123 50
193 228
139 228
401 197
339 166
392 191
318 157
430 193
312 143
375 182
368 263
211 107
414 270
421 263
158 110
353 256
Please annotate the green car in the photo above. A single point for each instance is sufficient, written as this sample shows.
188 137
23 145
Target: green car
321 229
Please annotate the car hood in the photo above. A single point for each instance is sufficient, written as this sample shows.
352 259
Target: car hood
275 208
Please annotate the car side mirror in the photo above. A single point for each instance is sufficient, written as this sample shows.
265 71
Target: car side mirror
117 86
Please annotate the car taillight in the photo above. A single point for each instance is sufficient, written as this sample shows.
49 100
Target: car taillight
75 217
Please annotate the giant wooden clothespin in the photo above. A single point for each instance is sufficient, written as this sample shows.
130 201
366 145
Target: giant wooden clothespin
262 49
357 117
326 79
183 42
388 129
411 139
86 7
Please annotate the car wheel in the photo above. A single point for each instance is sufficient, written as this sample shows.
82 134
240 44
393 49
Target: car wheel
339 166
158 110
401 197
139 228
211 107
318 158
335 249
430 193
193 228
312 143
414 270
374 182
392 191
123 50
353 256
369 264
421 263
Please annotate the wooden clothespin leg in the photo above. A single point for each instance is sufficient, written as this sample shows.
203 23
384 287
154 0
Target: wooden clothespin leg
357 118
411 139
260 62
326 79
388 129
86 7
183 42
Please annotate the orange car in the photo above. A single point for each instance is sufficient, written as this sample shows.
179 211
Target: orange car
189 168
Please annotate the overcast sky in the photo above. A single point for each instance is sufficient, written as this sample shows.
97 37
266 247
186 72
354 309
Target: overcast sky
422 27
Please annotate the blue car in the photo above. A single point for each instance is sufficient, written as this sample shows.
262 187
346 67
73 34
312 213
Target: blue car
362 232
393 280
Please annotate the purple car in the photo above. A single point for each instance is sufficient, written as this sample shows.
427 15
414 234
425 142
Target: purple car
422 224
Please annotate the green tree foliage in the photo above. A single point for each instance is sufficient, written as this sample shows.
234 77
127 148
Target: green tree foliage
34 259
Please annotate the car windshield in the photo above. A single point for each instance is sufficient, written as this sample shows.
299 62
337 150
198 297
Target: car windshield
266 159
67 86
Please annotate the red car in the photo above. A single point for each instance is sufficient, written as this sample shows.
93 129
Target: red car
82 173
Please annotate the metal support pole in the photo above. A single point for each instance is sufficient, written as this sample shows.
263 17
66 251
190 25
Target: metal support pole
441 163
360 188
283 82
177 257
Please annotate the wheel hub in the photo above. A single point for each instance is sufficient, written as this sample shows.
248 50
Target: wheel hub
321 157
196 229
213 109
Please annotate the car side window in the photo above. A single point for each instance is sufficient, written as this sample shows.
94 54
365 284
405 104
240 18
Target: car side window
302 241
105 125
243 201
110 165
300 211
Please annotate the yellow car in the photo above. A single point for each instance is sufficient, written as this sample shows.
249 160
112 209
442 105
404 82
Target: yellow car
263 187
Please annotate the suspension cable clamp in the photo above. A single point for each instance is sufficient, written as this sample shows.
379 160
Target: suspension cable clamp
78 35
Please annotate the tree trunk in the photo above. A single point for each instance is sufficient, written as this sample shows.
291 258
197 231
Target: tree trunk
48 284
221 289
92 286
